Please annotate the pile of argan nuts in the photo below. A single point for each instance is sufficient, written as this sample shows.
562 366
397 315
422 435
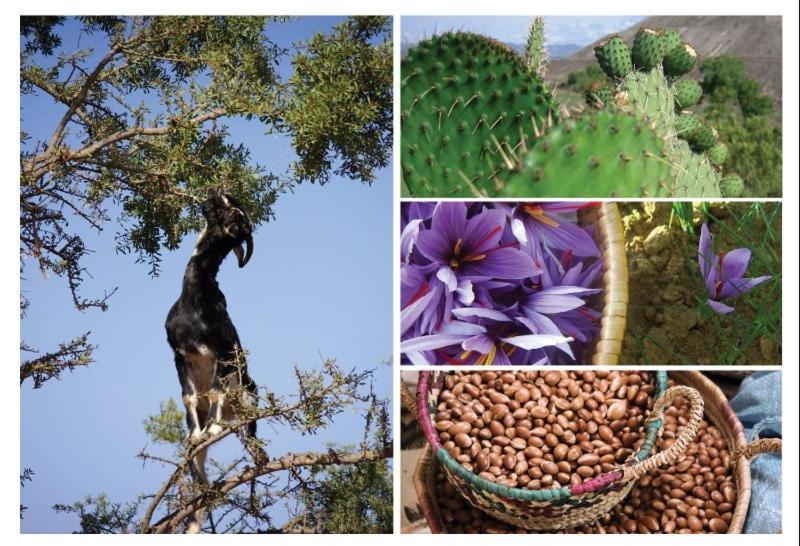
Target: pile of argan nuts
540 430
695 495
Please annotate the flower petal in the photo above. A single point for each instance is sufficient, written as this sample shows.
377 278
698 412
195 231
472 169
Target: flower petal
411 313
431 342
483 231
503 263
450 220
446 275
407 239
738 287
734 264
481 343
536 341
720 308
518 229
482 313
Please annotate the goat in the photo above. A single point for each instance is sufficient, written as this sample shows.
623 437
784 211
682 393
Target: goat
207 349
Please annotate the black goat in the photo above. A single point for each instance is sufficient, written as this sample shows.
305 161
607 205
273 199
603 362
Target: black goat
207 349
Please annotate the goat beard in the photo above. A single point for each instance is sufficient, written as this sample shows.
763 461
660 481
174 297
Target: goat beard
242 256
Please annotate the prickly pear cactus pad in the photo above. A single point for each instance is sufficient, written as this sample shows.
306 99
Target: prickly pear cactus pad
648 95
604 155
461 96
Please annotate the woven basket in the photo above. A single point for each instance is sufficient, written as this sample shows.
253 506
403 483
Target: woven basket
554 509
611 241
716 408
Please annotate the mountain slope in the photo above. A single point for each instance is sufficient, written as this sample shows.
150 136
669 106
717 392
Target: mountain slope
754 39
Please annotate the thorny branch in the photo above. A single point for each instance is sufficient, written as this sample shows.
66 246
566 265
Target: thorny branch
69 356
323 394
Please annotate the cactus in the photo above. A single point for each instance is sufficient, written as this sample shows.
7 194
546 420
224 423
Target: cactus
717 154
732 186
458 91
701 138
647 94
535 50
687 93
478 120
614 57
685 123
680 60
671 39
598 94
648 49
604 155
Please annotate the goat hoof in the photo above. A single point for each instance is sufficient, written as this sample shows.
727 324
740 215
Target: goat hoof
194 437
213 430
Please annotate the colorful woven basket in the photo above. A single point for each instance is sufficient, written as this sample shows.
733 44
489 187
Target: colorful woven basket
554 509
716 408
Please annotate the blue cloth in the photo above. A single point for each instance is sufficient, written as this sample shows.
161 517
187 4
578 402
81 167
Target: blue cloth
758 406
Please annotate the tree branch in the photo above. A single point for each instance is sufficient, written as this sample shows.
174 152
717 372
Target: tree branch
291 461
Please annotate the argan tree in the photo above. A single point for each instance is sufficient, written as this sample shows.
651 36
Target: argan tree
142 128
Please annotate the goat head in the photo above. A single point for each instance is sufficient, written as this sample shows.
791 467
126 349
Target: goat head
223 212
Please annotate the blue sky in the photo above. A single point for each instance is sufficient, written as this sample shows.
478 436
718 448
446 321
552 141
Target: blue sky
581 30
319 285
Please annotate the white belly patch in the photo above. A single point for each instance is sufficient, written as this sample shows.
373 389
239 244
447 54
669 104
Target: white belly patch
202 367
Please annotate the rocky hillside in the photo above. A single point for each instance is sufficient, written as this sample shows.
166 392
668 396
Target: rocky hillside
754 39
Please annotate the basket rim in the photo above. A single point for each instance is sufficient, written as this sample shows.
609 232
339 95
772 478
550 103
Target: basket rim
726 419
539 495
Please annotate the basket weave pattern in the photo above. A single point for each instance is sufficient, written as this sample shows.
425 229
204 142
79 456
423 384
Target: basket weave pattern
554 509
716 408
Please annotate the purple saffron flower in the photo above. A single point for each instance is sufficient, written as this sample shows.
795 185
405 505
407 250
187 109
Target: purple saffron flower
723 273
537 225
470 248
480 337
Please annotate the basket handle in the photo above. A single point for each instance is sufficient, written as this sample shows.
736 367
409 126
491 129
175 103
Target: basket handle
758 447
670 455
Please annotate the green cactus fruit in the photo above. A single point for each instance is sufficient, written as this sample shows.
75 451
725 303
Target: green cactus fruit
679 61
648 49
718 153
687 93
607 154
598 94
614 57
701 138
671 39
463 97
685 123
732 186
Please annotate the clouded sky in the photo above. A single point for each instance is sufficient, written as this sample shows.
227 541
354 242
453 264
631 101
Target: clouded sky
560 30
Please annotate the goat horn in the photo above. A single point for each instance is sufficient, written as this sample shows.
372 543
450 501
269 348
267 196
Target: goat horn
241 256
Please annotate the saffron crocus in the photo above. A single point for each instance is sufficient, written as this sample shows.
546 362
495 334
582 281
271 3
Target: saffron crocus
543 225
479 337
481 284
723 273
463 248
